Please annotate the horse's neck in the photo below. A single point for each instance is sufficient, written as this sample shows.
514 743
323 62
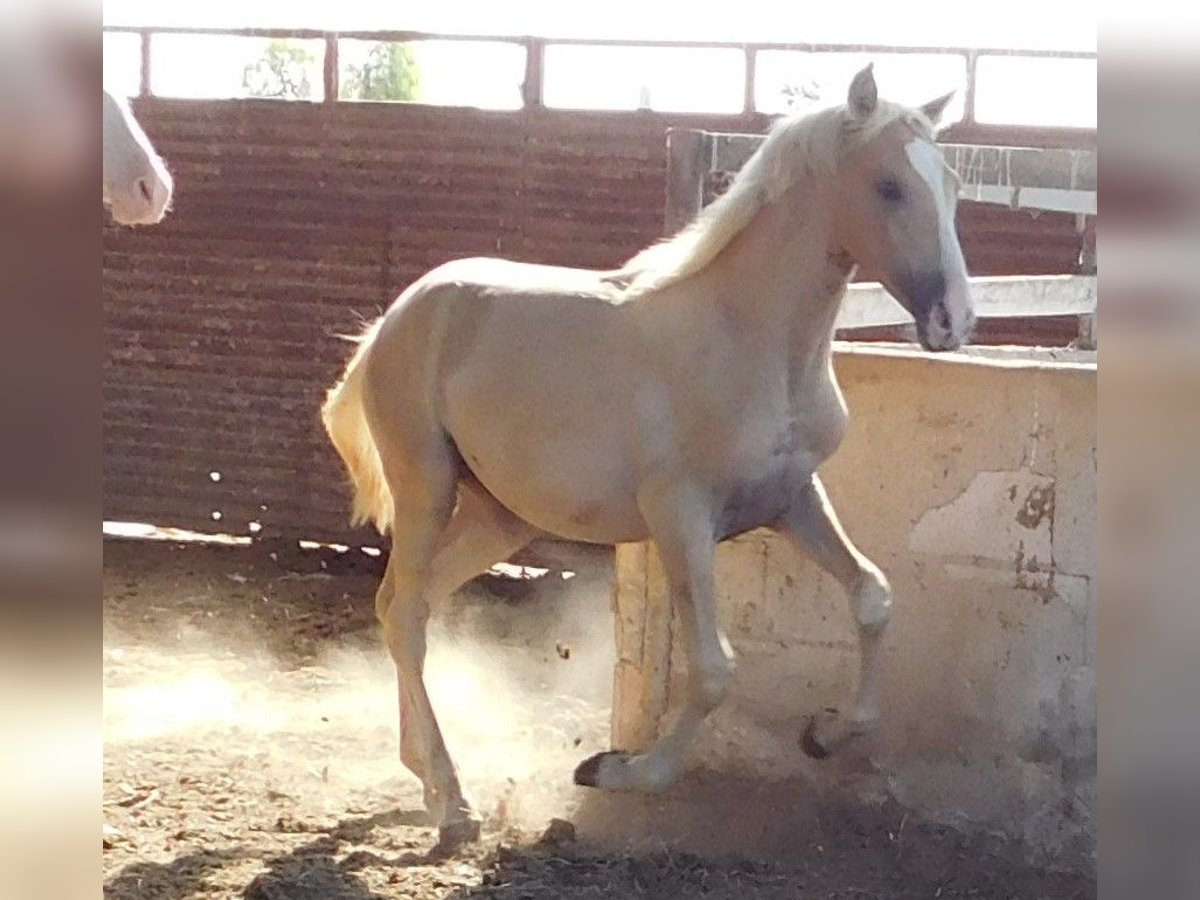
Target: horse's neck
783 278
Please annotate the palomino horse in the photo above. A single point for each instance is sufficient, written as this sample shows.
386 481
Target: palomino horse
685 398
137 185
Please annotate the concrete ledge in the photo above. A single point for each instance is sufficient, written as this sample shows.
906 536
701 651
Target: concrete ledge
1011 357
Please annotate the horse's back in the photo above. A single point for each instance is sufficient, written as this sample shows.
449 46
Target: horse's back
529 370
502 321
496 277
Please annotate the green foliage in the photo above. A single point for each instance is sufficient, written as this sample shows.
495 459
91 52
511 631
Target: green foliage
798 96
282 71
389 73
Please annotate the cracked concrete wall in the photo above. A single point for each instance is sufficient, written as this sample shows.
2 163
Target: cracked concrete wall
972 482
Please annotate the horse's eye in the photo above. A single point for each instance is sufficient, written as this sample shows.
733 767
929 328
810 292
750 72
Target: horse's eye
889 189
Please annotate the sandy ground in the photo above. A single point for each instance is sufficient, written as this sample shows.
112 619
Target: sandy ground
250 751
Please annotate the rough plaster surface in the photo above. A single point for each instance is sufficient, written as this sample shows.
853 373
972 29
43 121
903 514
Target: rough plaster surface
971 482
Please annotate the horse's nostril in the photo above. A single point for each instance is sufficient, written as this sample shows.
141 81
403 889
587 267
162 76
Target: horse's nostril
143 186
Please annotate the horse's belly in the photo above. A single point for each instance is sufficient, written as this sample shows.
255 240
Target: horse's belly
540 416
581 513
578 490
612 520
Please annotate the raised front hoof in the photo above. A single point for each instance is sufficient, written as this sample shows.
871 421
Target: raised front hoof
587 773
454 835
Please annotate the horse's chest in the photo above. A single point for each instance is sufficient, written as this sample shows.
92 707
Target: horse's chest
756 500
768 463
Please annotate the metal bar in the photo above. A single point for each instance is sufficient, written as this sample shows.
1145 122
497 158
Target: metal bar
689 159
144 72
535 63
532 90
969 102
332 74
749 105
400 36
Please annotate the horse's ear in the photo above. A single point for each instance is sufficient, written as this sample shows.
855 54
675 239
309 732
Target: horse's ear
934 109
863 95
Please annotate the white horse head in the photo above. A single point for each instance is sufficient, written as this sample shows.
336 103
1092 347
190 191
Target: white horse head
44 128
896 211
137 185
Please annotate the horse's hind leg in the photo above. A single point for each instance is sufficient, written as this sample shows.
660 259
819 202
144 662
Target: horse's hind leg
813 525
422 479
480 533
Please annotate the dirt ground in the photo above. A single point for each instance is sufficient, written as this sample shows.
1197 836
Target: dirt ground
250 751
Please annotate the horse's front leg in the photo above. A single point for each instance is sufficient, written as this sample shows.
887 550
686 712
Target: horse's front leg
813 525
681 527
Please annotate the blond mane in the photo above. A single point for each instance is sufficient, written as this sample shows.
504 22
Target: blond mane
795 147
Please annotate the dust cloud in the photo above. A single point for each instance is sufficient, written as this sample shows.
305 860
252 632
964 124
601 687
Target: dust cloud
522 690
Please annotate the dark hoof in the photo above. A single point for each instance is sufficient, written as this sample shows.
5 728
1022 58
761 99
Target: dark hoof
808 742
453 835
588 771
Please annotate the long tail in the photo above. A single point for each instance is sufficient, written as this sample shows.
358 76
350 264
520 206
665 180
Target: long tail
346 424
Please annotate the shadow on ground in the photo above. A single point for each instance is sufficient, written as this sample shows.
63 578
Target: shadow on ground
188 875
